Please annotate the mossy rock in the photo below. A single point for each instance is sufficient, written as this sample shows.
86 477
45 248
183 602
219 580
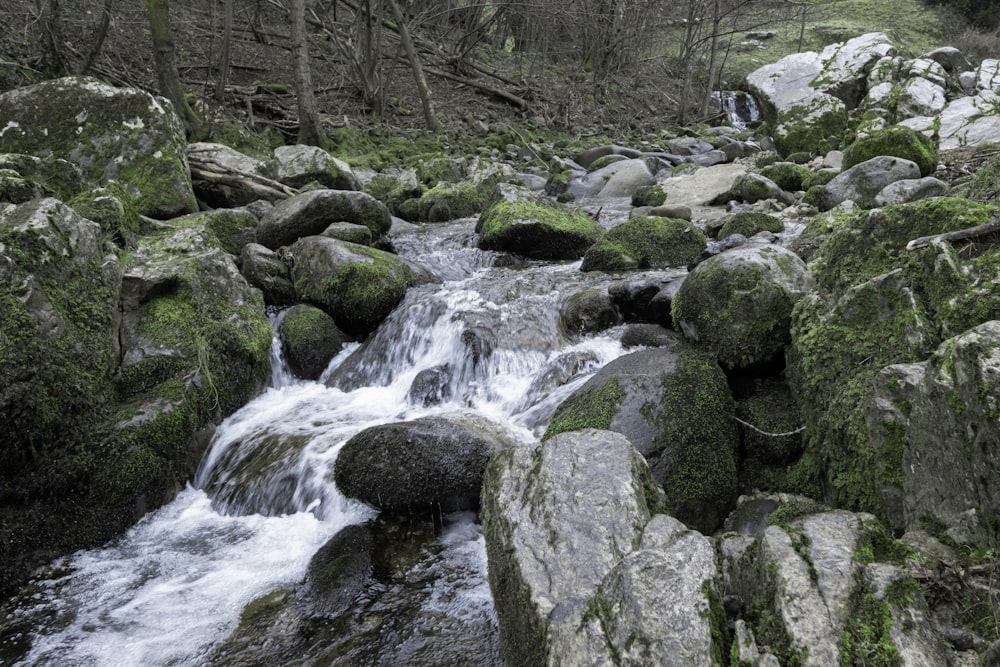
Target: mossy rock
522 222
787 175
588 311
738 303
449 201
394 188
649 195
748 224
771 437
357 285
310 339
645 243
17 190
234 228
300 165
55 176
113 210
821 177
434 169
809 127
122 134
309 213
896 141
675 407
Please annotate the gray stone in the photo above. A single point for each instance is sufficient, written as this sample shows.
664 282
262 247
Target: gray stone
988 75
909 190
298 165
950 58
920 97
229 195
588 311
862 182
267 271
310 213
350 232
620 179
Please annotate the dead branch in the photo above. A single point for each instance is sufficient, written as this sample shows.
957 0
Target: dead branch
961 234
771 435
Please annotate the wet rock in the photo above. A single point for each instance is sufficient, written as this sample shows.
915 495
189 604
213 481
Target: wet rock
269 272
429 465
588 311
633 298
310 340
338 572
431 386
649 335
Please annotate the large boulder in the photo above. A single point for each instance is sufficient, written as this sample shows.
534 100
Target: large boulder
448 201
522 222
674 406
943 465
298 165
645 243
429 465
862 182
619 179
964 122
309 213
584 498
357 285
738 303
120 134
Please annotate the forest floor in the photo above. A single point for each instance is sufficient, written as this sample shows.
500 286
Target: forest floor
633 104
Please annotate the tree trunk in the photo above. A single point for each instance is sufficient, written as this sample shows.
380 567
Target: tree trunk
418 72
165 60
310 131
100 34
52 36
227 39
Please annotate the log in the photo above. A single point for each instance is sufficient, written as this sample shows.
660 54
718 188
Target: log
958 235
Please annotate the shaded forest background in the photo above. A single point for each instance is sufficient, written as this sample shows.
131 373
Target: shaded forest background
450 71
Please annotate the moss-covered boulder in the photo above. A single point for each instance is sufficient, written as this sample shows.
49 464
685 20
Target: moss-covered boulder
270 273
233 227
52 175
814 123
428 465
864 181
522 222
896 141
738 303
649 195
357 285
310 339
674 406
393 187
749 223
448 201
787 175
299 165
309 213
350 232
121 134
645 243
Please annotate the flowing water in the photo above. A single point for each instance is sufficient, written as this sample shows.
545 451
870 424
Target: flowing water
740 107
263 501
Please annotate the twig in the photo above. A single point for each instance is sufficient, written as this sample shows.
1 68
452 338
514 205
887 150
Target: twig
971 232
770 435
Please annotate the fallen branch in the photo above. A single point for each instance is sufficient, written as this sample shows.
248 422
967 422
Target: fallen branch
258 189
770 435
961 234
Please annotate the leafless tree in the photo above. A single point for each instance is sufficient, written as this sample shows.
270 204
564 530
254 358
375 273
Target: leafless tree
165 59
310 130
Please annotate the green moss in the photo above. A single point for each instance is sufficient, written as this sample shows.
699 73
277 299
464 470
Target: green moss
810 128
748 224
645 243
787 175
448 201
536 227
896 141
649 195
867 639
784 515
593 409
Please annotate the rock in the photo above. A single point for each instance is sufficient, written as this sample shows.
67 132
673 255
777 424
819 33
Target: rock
449 201
988 75
17 190
428 465
862 182
688 146
310 340
786 175
679 211
738 303
338 572
576 498
749 224
633 298
965 121
947 474
51 175
431 386
121 134
920 97
645 243
298 165
658 599
905 191
588 157
357 285
620 179
524 223
753 188
311 212
268 272
234 228
950 58
649 335
897 141
232 194
350 232
588 311
675 408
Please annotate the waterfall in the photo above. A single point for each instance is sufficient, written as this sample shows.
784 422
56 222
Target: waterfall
740 107
263 500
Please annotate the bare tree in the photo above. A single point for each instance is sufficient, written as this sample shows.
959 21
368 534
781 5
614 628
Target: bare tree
100 34
418 72
310 130
227 40
51 15
165 59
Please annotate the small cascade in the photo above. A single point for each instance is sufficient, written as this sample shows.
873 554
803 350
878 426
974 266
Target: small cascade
740 107
486 339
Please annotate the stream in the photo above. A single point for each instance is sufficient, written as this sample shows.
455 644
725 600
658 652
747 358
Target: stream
263 501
